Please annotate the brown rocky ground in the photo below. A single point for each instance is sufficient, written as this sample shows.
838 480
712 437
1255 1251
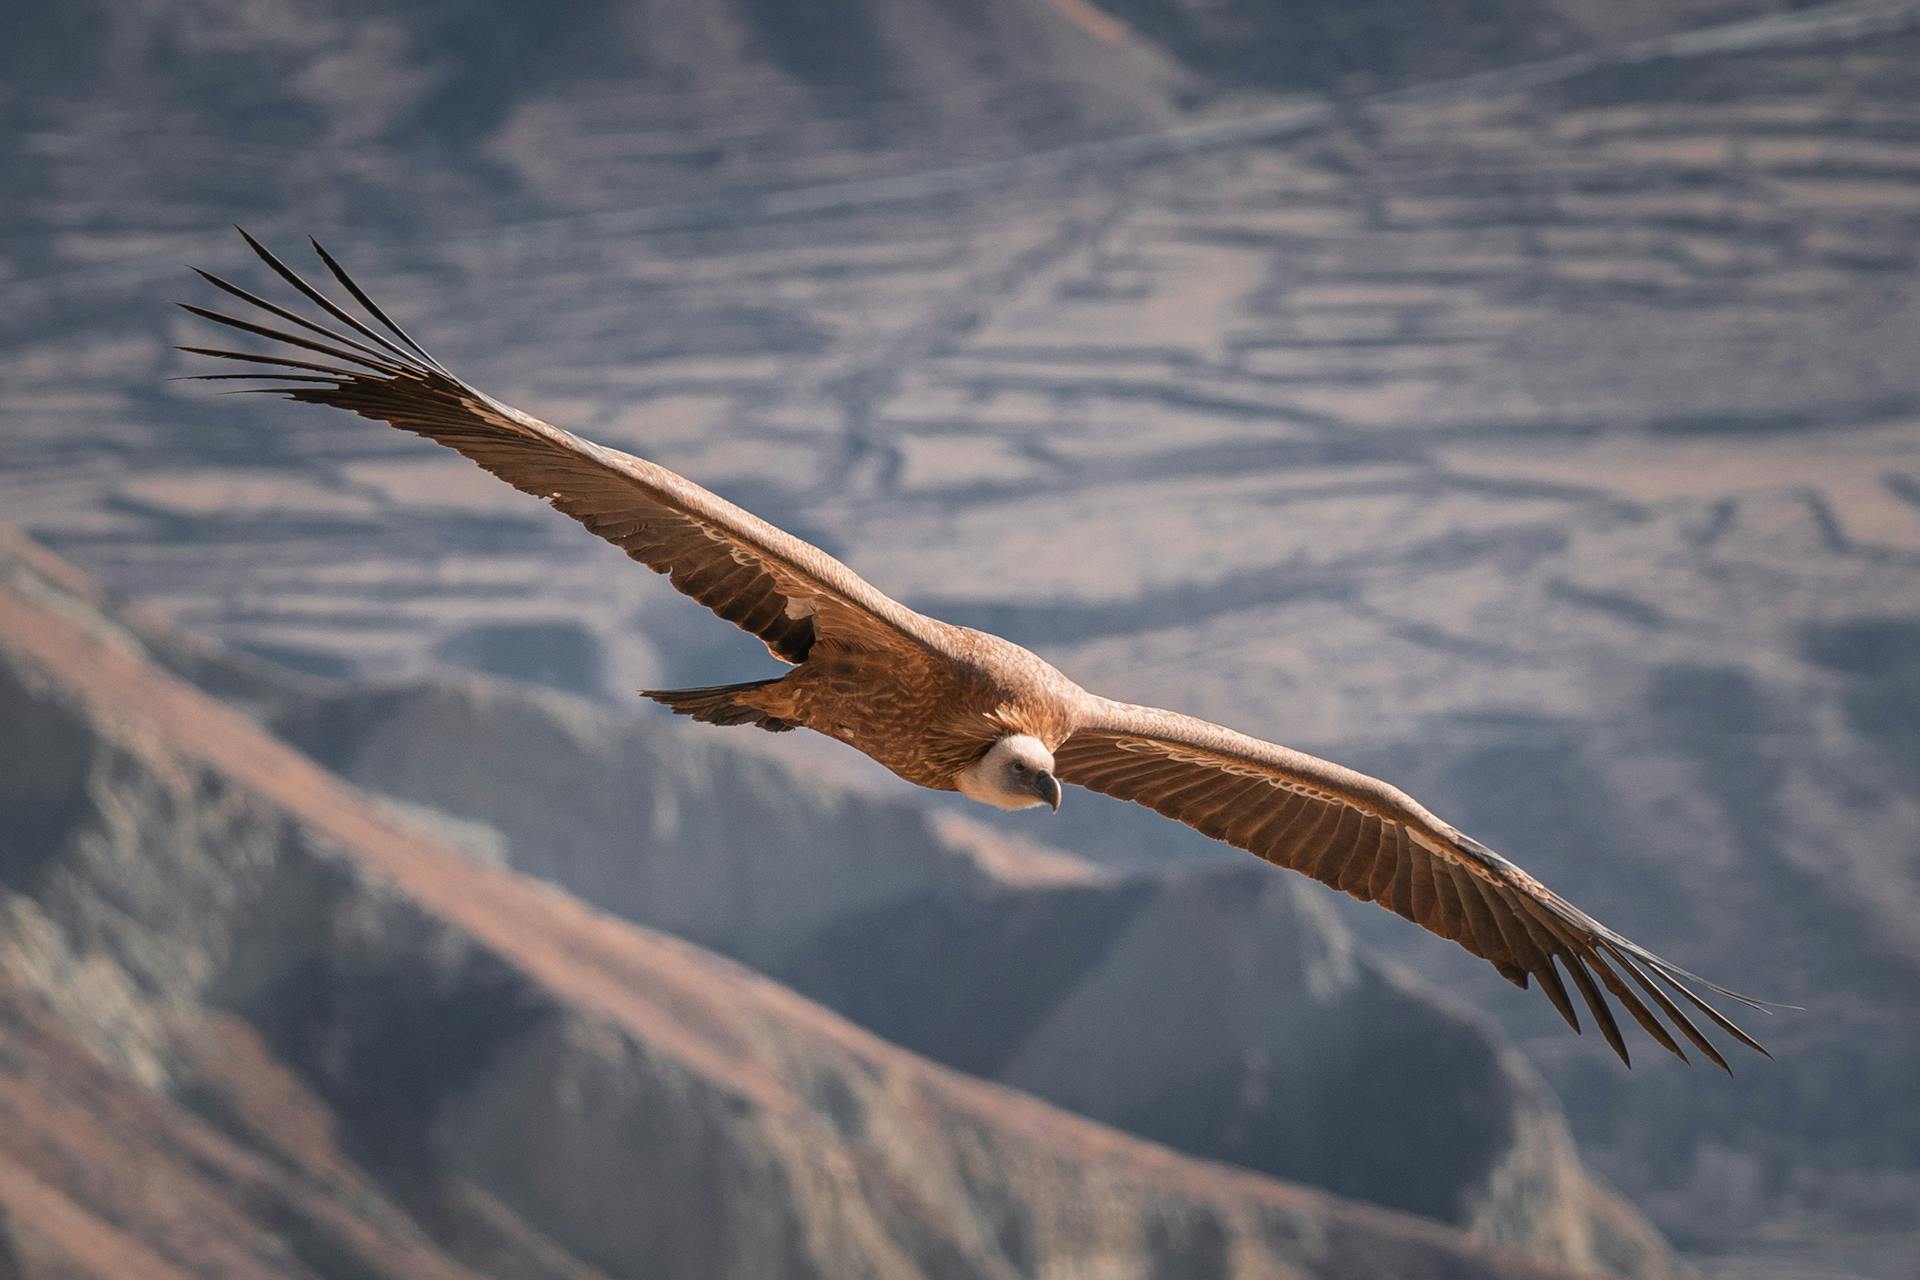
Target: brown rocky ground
256 1027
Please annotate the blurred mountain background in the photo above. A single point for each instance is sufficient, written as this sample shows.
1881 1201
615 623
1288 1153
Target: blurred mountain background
1516 399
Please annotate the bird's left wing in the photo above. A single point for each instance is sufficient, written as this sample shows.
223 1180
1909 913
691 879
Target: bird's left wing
1371 840
766 581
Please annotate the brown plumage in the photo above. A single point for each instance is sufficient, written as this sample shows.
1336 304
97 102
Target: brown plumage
951 708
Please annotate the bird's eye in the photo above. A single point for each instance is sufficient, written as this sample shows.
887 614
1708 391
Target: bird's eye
1019 769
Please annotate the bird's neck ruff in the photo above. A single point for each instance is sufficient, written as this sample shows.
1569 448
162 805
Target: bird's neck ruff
986 779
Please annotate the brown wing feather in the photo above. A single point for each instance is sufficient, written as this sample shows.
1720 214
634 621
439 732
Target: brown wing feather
1372 841
765 581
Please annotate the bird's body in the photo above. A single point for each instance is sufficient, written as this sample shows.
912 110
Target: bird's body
954 709
926 710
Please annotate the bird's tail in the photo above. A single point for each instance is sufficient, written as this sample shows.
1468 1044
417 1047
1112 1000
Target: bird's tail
720 704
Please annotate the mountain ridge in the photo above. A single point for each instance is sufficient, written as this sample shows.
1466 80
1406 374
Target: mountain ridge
944 937
477 1044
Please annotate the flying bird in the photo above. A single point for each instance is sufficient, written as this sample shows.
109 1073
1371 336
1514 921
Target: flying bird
955 709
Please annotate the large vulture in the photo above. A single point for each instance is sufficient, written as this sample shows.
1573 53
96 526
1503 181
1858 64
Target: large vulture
955 709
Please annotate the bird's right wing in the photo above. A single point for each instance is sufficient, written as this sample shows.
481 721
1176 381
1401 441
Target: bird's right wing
1376 843
785 591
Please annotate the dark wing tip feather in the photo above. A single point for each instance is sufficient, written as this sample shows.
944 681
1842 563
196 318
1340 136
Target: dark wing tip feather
373 309
1598 1006
1556 991
254 377
291 339
1585 947
415 359
1674 1013
1674 970
1726 1024
283 362
1635 1006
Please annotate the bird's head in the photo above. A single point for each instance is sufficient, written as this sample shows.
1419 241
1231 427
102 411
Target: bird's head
1015 773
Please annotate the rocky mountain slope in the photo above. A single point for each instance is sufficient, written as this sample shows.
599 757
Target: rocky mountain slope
255 1027
1222 1011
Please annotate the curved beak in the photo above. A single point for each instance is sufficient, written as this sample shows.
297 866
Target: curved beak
1047 787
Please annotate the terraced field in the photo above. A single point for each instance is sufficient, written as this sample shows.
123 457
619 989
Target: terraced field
1548 440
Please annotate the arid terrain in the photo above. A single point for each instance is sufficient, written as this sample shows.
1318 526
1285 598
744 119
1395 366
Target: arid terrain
259 1024
1515 399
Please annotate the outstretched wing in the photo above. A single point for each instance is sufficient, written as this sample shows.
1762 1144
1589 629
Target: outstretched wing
783 590
1373 841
